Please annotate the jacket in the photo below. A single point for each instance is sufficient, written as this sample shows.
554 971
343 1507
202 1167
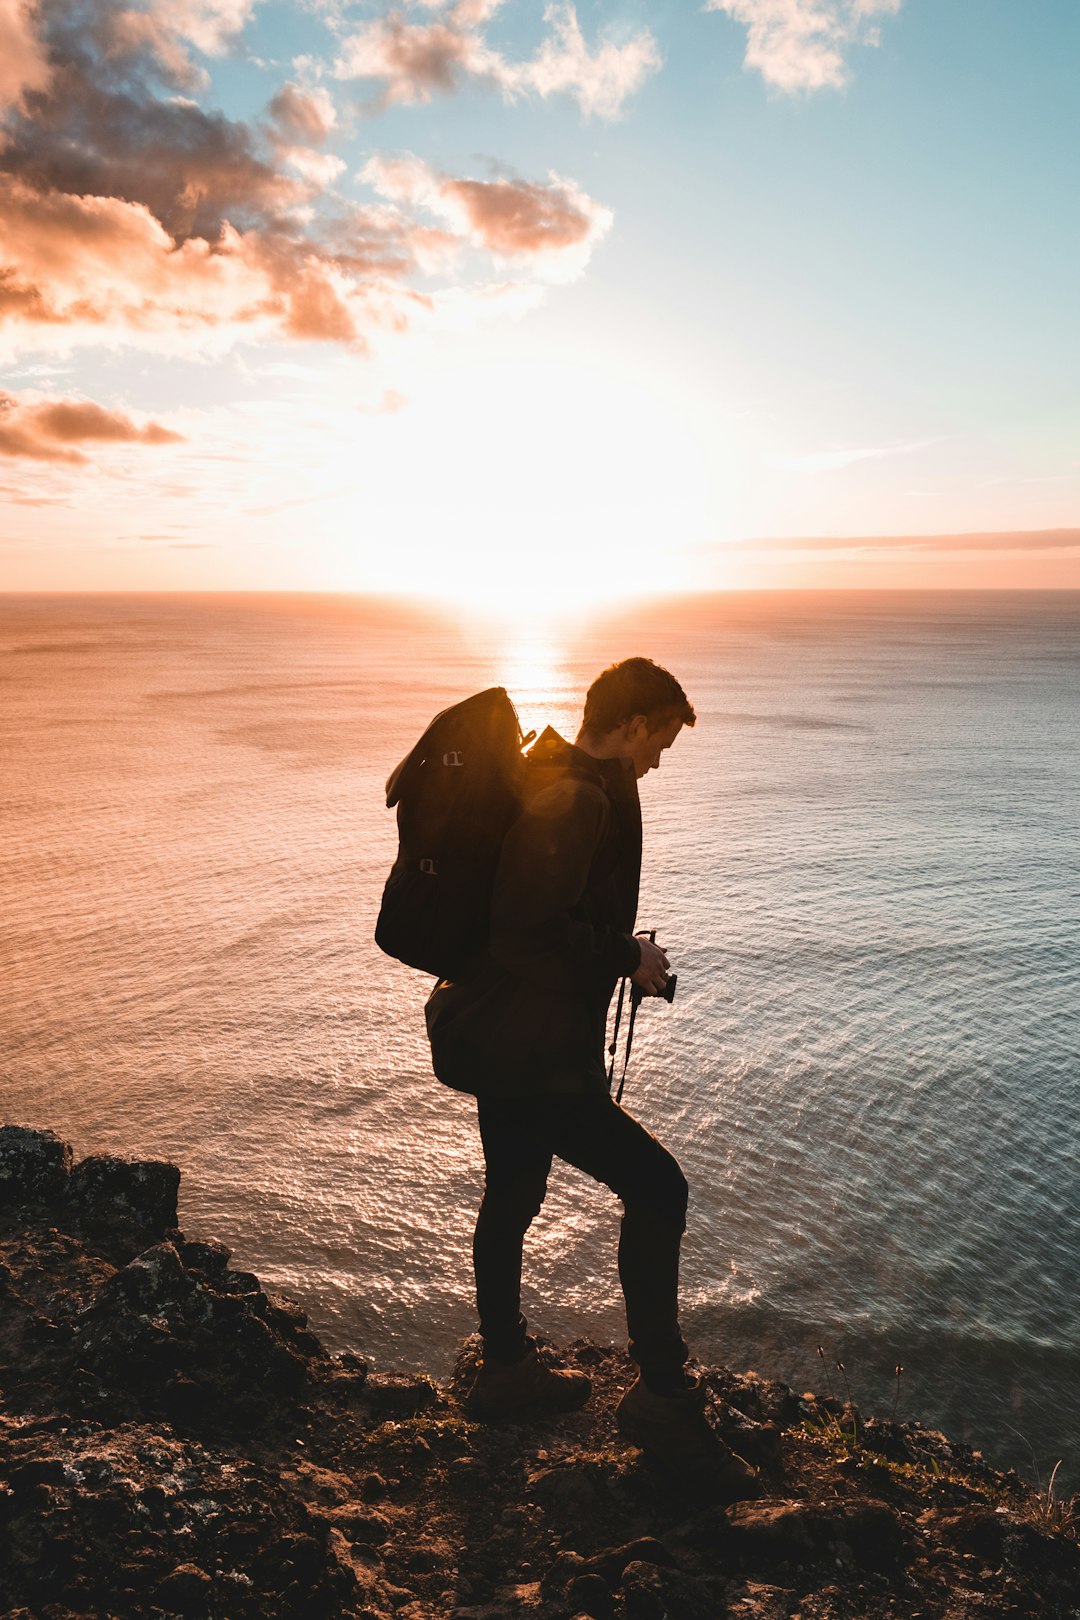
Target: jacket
529 1017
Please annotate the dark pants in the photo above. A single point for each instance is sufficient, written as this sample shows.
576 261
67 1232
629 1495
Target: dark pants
521 1135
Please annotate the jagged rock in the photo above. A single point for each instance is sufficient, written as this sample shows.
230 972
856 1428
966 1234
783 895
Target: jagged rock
757 1601
646 1549
398 1394
34 1165
592 1595
608 1565
764 1534
652 1593
566 1568
185 1590
761 1400
136 1194
1027 1546
567 1489
210 1257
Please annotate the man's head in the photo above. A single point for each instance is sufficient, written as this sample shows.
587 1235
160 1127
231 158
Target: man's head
634 710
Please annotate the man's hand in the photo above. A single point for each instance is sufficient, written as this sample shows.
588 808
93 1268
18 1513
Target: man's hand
651 972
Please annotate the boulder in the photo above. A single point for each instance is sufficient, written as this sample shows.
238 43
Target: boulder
34 1165
136 1194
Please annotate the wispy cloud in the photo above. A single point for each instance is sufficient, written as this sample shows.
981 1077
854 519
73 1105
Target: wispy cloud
820 461
415 61
994 540
39 429
802 44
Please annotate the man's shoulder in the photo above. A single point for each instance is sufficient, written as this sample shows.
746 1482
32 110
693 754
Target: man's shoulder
559 794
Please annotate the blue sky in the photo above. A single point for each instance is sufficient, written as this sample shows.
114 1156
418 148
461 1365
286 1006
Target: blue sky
613 290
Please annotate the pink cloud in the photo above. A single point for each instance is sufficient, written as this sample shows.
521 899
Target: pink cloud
417 60
49 429
994 540
603 80
303 115
508 217
800 44
23 65
514 216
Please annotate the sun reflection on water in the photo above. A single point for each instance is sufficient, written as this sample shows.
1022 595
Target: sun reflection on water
532 666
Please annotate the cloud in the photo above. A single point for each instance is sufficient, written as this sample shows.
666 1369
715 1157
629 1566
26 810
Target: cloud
50 429
994 540
601 80
415 61
23 65
130 214
801 44
167 28
303 115
817 461
510 218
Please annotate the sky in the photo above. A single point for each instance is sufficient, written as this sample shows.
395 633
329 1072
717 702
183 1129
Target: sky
523 302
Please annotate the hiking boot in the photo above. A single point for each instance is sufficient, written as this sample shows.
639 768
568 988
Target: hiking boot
507 1389
673 1430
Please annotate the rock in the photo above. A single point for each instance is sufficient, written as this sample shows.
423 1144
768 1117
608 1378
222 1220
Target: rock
756 1601
1027 1549
34 1165
645 1550
399 1394
210 1257
591 1594
768 1533
359 1523
185 1590
979 1531
154 1278
567 1567
651 1593
567 1489
135 1194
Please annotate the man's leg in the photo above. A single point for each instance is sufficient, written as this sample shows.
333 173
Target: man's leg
512 1378
597 1136
517 1162
664 1411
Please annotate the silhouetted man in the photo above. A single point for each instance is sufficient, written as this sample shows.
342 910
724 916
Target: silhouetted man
525 1032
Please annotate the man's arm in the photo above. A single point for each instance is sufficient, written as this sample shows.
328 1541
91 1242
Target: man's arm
543 871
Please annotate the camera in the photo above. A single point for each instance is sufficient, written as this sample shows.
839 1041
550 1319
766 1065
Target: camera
668 992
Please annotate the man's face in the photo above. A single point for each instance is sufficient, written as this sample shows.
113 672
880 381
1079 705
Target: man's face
645 747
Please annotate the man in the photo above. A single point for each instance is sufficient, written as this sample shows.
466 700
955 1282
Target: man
525 1032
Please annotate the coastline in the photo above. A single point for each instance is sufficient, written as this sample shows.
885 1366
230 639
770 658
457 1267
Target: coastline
174 1440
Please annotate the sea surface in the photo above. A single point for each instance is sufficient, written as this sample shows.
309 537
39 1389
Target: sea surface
864 862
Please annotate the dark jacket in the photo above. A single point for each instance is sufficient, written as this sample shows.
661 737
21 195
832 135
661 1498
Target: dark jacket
530 1017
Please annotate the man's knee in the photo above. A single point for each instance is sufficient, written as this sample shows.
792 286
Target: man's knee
661 1195
514 1202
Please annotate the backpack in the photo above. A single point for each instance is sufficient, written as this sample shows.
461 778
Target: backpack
457 793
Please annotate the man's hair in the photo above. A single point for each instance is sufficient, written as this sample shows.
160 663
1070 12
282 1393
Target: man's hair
636 686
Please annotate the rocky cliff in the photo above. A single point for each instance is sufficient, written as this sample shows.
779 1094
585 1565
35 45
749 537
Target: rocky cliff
175 1441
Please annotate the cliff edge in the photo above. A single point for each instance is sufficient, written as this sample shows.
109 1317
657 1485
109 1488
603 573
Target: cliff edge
175 1441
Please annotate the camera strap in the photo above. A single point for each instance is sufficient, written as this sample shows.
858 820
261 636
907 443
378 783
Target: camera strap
635 1003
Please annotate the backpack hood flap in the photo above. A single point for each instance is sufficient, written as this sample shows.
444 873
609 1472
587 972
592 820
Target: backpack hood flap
494 701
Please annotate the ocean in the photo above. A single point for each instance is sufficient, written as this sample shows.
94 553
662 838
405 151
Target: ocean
864 862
